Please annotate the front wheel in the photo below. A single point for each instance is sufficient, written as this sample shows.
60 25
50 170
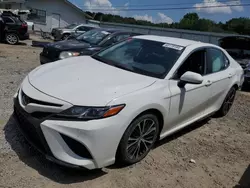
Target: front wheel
11 38
138 139
228 102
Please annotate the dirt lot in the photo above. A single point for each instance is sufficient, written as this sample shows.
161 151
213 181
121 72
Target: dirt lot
220 147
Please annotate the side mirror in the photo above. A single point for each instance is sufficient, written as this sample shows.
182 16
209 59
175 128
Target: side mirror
190 78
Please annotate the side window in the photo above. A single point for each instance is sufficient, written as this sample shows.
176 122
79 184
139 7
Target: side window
216 61
194 63
8 20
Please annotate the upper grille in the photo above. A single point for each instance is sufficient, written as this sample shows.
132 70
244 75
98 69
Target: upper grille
27 100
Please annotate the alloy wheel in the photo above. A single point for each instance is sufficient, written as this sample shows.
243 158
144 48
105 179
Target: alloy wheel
141 139
11 39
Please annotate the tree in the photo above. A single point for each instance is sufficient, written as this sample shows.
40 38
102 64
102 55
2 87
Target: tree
189 21
239 25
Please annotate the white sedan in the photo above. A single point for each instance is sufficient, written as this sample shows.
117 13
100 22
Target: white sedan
91 111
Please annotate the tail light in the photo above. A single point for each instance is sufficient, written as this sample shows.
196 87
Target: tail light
24 25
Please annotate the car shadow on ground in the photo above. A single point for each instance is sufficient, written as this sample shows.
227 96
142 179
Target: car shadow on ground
35 160
244 180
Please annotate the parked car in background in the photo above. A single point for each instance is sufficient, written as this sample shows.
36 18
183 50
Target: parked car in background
15 28
239 48
64 33
91 111
85 44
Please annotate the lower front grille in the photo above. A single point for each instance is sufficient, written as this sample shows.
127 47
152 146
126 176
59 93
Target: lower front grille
29 130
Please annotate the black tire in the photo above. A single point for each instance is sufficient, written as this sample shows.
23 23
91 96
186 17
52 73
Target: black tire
141 147
227 103
11 38
65 36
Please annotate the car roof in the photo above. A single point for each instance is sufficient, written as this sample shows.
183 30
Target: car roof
171 40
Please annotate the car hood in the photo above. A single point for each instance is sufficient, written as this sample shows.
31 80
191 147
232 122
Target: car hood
69 45
85 81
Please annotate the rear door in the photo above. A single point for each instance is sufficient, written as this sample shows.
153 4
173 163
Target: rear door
219 76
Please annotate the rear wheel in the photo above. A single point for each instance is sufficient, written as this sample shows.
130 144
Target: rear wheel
11 38
228 102
138 139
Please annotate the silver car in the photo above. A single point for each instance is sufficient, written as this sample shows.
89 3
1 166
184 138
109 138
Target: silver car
64 33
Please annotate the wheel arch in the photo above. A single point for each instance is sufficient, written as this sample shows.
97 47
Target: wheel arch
155 112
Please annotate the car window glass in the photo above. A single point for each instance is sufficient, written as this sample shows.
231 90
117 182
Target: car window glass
216 61
8 20
121 37
194 63
115 39
93 36
142 56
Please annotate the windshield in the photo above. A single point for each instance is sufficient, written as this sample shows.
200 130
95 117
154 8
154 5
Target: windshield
93 36
71 26
144 57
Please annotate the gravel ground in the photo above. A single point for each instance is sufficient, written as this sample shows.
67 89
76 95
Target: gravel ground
220 147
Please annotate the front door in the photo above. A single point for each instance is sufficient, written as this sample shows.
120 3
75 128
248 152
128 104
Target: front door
188 103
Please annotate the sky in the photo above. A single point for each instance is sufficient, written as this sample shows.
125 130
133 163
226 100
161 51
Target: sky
223 13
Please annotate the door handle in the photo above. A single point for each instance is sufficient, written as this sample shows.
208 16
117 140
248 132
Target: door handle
230 75
209 83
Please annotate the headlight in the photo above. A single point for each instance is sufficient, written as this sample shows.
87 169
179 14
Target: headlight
64 55
88 113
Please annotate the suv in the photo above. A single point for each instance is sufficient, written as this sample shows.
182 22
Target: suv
15 28
64 33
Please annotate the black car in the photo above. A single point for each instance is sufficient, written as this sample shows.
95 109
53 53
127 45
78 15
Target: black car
86 44
15 28
239 48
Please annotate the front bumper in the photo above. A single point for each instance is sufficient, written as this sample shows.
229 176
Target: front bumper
32 132
98 138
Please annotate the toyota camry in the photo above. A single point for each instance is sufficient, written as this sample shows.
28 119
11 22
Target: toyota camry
91 111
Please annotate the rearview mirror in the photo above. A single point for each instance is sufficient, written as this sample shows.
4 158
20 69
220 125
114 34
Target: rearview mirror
191 78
